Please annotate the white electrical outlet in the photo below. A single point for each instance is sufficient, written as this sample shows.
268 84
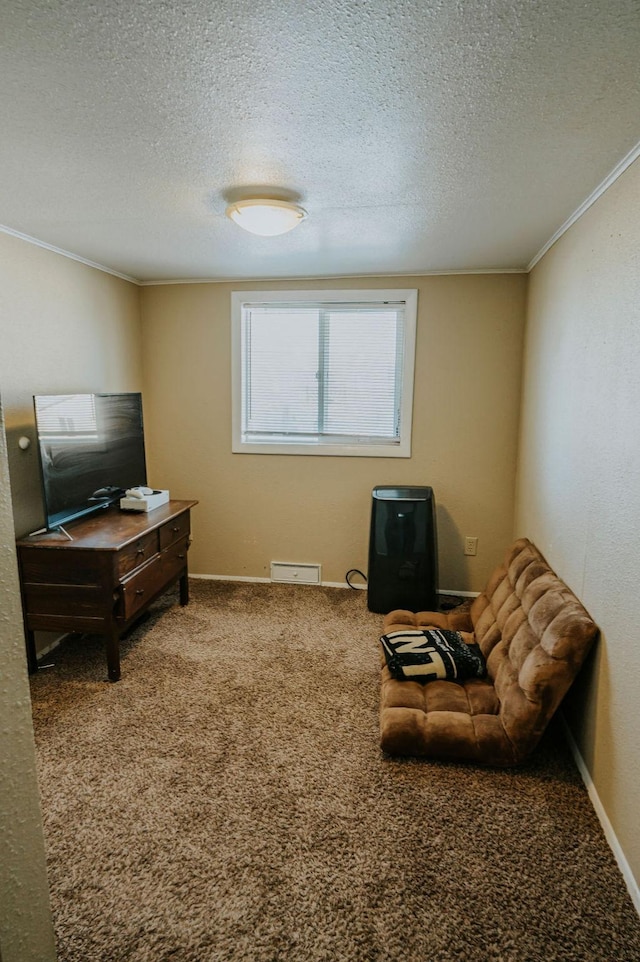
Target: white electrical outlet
471 546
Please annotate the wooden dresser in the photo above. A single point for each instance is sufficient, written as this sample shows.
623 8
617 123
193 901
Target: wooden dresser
117 564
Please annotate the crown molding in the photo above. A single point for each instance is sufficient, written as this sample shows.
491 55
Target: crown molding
59 250
329 277
617 171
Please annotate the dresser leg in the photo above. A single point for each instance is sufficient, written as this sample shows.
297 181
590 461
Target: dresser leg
113 655
32 660
184 589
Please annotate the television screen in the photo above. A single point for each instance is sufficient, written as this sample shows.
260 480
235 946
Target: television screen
91 450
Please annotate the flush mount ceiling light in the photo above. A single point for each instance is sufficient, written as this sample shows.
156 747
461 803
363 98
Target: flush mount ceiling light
266 217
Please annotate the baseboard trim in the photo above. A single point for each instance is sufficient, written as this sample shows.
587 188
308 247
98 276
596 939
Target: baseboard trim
461 594
610 835
323 584
261 581
52 646
267 581
343 584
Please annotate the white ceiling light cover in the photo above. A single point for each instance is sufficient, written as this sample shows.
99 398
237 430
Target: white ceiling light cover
266 217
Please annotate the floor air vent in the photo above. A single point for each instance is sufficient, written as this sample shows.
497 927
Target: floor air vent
295 574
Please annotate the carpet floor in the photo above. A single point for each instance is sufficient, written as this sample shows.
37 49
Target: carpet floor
228 800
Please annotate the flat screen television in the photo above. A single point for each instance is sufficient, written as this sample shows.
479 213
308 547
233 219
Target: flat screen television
91 450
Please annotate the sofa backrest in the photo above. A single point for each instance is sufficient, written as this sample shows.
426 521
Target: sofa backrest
535 635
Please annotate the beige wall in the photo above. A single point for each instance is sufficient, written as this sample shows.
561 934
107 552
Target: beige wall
258 508
64 328
578 492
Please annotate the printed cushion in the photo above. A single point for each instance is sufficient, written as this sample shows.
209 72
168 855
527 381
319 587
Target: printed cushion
430 654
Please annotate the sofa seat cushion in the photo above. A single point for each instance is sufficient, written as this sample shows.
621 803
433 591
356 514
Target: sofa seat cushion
475 696
454 735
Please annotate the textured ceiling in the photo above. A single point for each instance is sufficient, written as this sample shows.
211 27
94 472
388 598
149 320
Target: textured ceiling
420 135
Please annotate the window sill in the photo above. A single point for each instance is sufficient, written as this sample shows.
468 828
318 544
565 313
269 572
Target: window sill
323 450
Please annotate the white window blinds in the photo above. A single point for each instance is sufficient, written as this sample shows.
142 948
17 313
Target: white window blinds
327 373
67 415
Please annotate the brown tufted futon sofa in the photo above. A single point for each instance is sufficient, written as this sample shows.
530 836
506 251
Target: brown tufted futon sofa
534 634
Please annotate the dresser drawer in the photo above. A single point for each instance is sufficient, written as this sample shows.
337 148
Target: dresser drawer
174 559
137 553
58 567
142 586
74 600
174 530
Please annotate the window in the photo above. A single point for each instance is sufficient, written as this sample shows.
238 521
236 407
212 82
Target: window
323 372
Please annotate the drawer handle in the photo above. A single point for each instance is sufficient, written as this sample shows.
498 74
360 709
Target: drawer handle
176 529
139 591
181 557
140 551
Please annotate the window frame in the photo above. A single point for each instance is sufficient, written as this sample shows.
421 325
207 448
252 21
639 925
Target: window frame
315 447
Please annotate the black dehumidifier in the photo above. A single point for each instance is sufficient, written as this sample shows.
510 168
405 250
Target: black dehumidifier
403 550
